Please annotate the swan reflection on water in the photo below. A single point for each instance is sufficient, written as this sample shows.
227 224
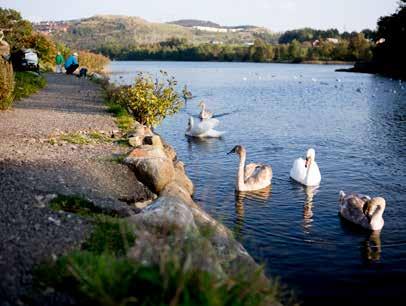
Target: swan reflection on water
370 244
310 192
202 144
258 196
372 249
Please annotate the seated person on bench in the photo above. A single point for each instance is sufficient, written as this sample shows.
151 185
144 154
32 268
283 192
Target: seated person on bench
71 63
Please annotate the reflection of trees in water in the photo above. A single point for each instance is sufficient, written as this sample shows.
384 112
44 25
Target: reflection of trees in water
310 192
259 196
371 249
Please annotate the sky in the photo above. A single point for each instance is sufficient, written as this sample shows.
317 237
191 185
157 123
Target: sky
277 15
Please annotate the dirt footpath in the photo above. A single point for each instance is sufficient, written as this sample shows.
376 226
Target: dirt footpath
33 168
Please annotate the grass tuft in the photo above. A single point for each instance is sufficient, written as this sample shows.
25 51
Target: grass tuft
124 120
110 235
74 204
75 138
27 83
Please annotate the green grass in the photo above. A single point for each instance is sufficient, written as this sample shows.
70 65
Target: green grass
74 204
75 138
124 120
110 236
100 274
27 83
118 158
93 137
107 280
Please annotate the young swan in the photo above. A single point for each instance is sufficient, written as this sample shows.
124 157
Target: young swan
362 210
306 171
204 113
252 176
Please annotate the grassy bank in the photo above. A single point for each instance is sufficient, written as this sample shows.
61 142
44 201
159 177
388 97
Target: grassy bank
27 83
101 274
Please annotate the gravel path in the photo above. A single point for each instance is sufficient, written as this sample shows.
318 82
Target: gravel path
32 168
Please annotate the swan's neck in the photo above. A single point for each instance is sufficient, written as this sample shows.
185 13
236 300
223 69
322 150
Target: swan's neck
203 106
241 169
308 169
377 215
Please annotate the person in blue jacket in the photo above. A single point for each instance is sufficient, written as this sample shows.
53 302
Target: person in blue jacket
71 64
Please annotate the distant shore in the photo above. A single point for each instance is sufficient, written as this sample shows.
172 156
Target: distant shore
386 70
309 62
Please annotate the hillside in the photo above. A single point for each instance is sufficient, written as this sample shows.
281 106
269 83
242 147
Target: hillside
122 31
195 23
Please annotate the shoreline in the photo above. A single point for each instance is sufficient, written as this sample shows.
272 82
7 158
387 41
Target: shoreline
129 177
307 62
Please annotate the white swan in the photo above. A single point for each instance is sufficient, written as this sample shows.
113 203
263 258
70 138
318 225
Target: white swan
362 210
204 113
203 128
252 176
306 171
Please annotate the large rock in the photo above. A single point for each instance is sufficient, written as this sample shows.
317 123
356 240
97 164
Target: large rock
173 189
166 229
170 151
166 213
151 166
182 179
172 226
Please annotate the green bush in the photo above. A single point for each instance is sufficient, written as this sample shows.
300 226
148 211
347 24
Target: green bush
6 84
149 101
27 83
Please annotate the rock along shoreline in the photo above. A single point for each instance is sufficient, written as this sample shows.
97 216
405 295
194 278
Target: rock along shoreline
173 218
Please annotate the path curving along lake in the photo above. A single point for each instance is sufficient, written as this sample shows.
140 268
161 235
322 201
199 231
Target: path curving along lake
357 125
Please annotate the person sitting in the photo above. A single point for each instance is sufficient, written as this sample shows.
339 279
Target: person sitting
71 63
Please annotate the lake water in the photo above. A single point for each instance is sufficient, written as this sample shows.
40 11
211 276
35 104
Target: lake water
357 125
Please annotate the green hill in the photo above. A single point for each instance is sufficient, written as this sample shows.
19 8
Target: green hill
122 31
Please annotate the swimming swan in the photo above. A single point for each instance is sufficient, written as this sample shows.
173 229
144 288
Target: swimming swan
203 128
252 176
362 210
204 113
306 171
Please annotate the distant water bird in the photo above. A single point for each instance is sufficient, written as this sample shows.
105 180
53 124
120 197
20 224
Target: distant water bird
358 89
338 80
314 79
244 78
204 113
295 77
306 171
252 176
323 83
362 210
203 129
186 93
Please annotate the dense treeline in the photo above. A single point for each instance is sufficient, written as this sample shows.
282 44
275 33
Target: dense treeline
390 55
309 34
356 47
390 49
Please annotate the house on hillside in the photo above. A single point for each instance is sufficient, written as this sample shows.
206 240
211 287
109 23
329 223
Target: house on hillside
333 40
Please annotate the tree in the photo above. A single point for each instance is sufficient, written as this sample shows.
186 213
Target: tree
148 100
359 48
